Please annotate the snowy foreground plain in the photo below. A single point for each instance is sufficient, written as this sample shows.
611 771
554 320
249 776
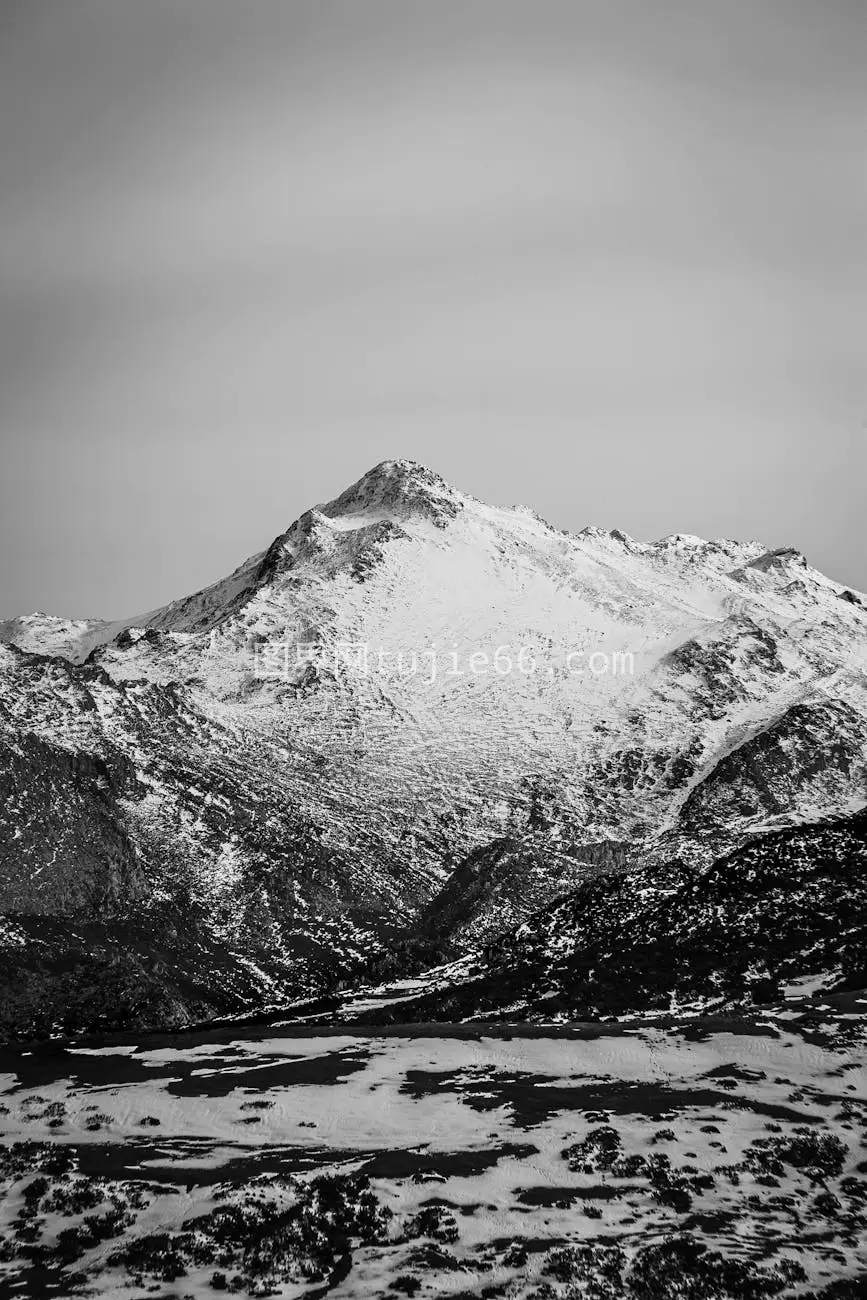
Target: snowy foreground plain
470 1160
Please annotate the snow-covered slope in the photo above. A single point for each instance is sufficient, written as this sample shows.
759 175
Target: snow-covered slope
406 677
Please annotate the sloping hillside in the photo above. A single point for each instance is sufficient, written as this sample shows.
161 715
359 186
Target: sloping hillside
788 908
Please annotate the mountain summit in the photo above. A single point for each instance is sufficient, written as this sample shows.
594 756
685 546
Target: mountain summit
396 488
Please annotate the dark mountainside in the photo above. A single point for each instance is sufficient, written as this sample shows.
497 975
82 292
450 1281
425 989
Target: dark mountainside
670 938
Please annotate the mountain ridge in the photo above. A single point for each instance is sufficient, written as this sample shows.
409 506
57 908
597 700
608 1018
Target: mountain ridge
394 486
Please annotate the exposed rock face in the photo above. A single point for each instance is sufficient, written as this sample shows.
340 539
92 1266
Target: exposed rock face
394 720
399 488
817 749
500 885
63 806
784 555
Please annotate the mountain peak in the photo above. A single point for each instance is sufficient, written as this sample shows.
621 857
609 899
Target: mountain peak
403 468
398 487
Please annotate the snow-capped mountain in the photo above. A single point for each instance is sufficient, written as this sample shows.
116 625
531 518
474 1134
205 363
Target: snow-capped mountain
410 708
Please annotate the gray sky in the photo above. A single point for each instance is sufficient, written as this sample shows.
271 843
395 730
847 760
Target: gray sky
606 258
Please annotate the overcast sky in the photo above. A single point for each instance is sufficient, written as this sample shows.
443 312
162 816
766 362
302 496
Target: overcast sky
609 259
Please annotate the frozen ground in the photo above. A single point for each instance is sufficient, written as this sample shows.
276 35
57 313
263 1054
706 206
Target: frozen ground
599 1160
